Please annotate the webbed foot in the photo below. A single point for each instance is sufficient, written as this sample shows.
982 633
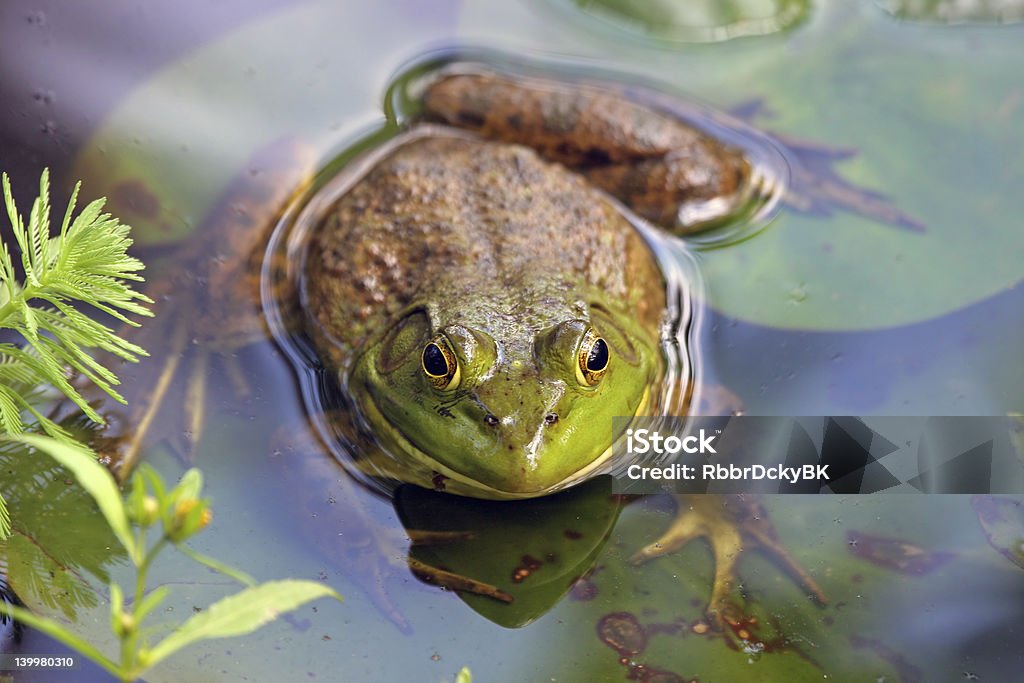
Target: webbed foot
732 525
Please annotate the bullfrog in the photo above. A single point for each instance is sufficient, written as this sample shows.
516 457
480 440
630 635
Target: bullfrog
488 301
485 302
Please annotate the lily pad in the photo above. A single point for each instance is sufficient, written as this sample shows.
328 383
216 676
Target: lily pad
170 148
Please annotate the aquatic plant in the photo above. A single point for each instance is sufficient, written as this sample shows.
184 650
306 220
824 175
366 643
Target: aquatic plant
175 516
85 265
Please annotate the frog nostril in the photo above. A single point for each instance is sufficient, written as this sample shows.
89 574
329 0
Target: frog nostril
491 420
550 419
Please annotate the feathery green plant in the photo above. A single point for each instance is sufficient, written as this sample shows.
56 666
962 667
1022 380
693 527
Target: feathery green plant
85 266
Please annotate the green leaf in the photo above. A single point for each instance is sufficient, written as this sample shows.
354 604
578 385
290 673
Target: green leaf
241 613
70 209
40 571
135 501
60 634
46 565
10 413
464 676
156 484
116 605
92 477
189 486
218 566
39 229
12 214
151 602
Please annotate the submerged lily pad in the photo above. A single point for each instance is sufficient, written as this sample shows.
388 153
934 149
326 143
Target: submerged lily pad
700 21
933 119
955 11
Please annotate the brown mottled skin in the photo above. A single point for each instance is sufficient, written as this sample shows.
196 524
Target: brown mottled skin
457 220
458 215
650 160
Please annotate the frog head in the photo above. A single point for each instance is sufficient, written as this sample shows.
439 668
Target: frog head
505 404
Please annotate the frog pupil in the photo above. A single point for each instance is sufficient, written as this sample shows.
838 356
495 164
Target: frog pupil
597 360
434 361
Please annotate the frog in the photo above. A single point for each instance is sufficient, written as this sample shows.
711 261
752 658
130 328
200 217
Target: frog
487 300
444 387
560 298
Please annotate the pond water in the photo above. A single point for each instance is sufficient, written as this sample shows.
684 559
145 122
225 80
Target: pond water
176 114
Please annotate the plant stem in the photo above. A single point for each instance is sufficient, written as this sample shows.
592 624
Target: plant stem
130 637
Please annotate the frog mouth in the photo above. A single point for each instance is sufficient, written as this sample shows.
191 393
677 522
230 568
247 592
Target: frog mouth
457 482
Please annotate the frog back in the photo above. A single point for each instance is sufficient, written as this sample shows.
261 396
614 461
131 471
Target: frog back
451 223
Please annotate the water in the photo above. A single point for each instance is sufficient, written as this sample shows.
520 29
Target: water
816 314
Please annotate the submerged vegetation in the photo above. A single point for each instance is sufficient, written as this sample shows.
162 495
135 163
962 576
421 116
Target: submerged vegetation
87 265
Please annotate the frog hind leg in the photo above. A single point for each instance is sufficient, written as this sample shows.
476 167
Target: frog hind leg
731 525
663 169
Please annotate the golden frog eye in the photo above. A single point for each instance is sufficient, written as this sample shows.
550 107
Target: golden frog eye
593 357
440 364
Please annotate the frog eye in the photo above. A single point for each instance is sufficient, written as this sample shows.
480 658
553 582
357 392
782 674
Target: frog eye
593 357
440 364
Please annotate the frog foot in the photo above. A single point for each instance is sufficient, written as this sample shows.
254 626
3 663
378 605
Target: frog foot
732 525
